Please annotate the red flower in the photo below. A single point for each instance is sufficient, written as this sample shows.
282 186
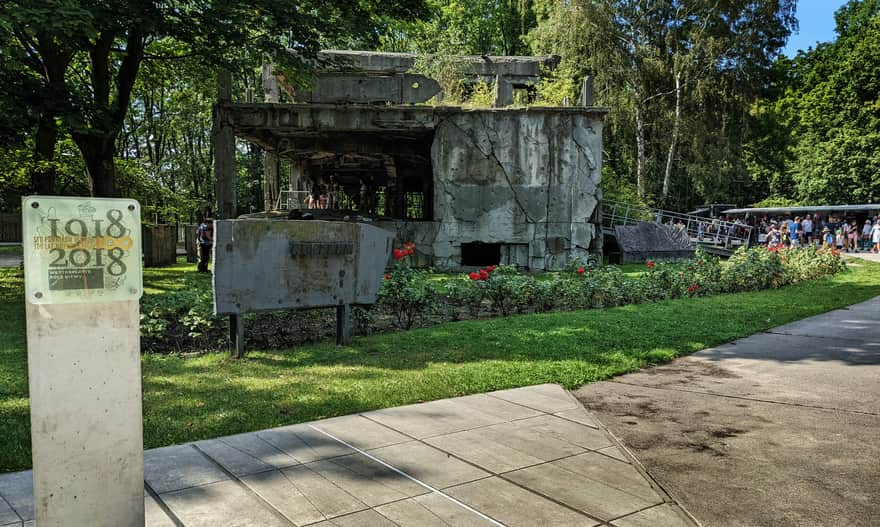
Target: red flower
398 254
773 248
474 276
581 270
387 277
484 274
693 288
491 268
650 264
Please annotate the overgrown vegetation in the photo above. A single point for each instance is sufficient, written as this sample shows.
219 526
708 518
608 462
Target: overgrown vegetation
208 395
179 318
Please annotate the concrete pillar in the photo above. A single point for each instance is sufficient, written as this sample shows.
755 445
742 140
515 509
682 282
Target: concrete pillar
224 151
586 98
84 372
503 92
271 184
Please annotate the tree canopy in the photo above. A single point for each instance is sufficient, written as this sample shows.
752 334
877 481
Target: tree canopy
72 65
821 122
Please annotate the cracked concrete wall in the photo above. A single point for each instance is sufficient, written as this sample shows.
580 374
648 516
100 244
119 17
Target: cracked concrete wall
526 179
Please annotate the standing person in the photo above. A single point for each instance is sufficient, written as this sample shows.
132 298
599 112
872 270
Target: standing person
774 237
794 230
875 237
866 235
844 228
839 238
853 235
205 238
827 238
807 228
785 232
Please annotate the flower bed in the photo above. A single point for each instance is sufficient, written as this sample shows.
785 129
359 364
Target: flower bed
409 297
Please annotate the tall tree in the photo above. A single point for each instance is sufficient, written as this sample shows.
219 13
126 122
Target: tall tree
655 62
87 54
824 114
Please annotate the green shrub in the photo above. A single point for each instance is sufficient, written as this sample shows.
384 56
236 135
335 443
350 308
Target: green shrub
406 292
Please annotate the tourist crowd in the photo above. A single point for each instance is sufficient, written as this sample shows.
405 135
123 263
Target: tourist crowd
844 234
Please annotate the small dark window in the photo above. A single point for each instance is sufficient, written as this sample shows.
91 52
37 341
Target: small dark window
480 254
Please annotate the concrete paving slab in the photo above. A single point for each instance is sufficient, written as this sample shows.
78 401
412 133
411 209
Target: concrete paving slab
614 452
579 492
476 447
427 464
544 397
304 443
302 496
224 503
17 490
667 515
517 507
565 430
232 459
432 419
497 407
578 415
617 474
523 439
366 469
361 432
261 450
370 490
179 467
368 518
154 516
8 515
430 510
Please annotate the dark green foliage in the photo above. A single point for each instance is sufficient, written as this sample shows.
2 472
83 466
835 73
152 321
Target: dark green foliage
819 134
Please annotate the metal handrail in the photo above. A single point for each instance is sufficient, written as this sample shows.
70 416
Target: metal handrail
699 229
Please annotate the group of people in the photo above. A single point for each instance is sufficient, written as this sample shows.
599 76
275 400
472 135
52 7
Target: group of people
844 234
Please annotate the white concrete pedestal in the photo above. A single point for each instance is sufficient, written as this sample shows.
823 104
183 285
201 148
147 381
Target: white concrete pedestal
86 414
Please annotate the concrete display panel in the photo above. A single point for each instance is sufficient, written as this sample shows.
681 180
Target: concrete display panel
83 279
264 265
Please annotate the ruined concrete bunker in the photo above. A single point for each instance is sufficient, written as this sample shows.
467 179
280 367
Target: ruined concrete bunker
470 186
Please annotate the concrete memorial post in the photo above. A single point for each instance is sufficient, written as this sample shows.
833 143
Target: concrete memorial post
83 279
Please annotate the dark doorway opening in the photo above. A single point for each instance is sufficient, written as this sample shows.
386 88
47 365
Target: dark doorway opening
480 254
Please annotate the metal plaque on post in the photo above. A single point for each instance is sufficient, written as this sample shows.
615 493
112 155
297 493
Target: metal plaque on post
83 279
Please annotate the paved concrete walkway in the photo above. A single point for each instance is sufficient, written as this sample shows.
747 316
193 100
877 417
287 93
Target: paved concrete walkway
526 457
780 428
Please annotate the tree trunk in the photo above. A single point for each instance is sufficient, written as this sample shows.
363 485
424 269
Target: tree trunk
97 152
675 130
43 176
641 160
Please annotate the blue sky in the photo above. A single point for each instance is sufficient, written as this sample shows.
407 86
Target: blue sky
816 18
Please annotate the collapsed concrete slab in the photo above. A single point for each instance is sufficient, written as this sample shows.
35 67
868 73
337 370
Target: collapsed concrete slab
653 241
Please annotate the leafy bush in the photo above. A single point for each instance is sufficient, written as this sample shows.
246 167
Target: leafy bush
406 292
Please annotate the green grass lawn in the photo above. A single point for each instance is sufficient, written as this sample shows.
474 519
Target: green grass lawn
188 398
